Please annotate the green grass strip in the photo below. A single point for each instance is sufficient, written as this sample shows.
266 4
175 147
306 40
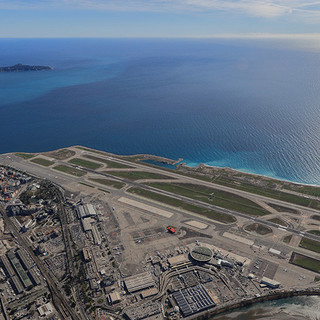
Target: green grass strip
70 170
222 217
109 163
137 175
310 244
87 185
316 232
271 193
309 190
213 196
25 155
306 262
42 162
85 163
220 178
110 183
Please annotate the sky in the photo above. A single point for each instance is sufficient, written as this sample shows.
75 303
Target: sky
157 18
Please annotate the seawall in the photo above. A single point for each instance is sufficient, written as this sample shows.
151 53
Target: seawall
247 303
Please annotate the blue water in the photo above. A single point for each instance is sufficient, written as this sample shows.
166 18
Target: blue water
250 105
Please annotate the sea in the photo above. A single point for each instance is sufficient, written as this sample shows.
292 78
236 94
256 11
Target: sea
298 308
249 104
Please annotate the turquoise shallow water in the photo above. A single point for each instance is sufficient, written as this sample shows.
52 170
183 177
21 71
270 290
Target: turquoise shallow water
250 105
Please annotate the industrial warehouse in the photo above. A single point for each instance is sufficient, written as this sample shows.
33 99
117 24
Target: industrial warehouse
20 270
193 300
100 244
139 282
195 282
86 210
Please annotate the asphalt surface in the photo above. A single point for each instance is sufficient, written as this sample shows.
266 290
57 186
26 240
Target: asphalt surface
213 207
61 179
59 300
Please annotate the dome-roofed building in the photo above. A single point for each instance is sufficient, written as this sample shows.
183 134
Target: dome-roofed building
201 254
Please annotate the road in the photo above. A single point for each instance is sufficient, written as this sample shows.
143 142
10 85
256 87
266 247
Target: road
216 186
60 179
58 299
211 206
69 252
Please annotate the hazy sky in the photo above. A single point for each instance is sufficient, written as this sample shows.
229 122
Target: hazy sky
156 18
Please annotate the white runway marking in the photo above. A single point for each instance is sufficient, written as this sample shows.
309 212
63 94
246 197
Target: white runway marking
196 224
237 238
146 207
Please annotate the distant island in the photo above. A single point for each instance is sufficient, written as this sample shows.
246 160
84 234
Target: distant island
22 67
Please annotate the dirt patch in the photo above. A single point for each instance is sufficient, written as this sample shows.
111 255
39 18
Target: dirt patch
282 208
287 239
258 229
61 154
190 233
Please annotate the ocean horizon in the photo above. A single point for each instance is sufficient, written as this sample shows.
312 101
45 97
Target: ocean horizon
248 104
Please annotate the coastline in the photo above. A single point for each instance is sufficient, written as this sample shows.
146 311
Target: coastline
247 303
261 175
205 142
179 162
234 126
313 289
